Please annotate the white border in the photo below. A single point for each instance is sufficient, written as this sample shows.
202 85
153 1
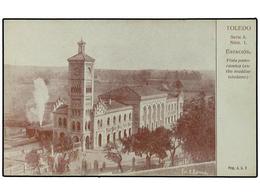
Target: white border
128 8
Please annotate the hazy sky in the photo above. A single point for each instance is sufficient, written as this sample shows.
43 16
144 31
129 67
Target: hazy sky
115 44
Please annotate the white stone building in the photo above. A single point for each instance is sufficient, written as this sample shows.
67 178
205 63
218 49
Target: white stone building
117 113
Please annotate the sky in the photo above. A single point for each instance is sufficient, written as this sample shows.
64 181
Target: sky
115 44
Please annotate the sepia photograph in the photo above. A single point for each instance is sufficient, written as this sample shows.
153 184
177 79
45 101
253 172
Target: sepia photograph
109 98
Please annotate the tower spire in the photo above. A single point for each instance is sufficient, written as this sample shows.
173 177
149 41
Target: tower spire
81 46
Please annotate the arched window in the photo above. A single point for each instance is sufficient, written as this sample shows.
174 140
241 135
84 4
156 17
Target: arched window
129 132
145 116
154 113
119 135
158 112
98 123
89 125
60 122
119 118
108 120
73 125
114 120
99 140
86 125
87 142
101 123
114 137
130 116
108 138
149 115
124 117
125 134
64 122
78 126
162 112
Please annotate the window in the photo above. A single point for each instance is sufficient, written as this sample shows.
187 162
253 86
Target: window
64 122
99 140
114 137
174 118
87 143
119 118
114 120
86 125
89 125
119 135
88 90
73 125
108 138
98 123
108 121
130 116
125 134
124 117
101 123
78 126
129 131
60 122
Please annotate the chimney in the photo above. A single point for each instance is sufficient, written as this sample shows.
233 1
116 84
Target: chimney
81 45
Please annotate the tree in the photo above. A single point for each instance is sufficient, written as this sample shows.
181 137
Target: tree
148 143
33 160
113 152
142 77
174 142
196 128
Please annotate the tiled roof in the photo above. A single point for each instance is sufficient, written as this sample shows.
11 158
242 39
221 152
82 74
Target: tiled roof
146 90
172 96
115 105
132 93
81 56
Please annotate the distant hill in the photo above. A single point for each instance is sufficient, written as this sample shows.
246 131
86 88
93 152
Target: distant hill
18 82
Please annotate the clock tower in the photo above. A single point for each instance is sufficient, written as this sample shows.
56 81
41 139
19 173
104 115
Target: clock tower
81 89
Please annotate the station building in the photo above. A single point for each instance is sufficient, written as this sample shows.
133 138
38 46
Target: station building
115 114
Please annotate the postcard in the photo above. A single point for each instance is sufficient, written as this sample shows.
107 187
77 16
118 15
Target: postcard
130 97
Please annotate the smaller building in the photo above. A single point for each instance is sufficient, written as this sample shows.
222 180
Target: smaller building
112 121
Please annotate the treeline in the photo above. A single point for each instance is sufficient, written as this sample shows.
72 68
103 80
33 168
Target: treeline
25 74
146 76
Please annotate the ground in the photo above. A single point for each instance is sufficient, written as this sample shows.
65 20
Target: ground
18 144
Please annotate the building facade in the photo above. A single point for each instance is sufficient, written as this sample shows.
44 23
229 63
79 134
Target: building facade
118 113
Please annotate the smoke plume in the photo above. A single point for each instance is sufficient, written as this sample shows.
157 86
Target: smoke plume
36 106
